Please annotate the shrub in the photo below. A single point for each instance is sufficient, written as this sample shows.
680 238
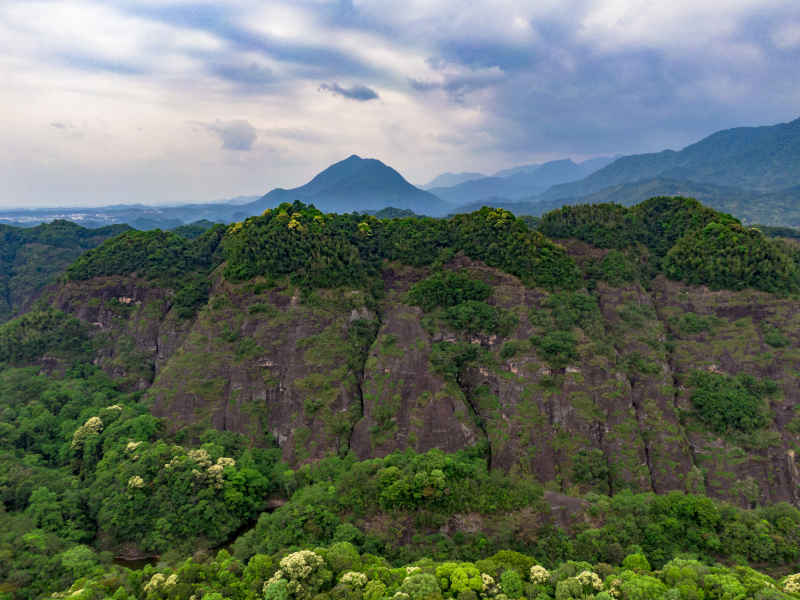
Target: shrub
447 289
729 404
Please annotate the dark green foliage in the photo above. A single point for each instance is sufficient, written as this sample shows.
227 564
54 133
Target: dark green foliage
430 486
660 222
726 255
557 348
446 289
191 296
698 245
451 358
691 323
33 336
319 250
779 232
618 268
149 254
394 213
474 317
461 299
602 225
30 258
728 404
775 337
590 467
501 240
572 309
181 263
194 230
656 223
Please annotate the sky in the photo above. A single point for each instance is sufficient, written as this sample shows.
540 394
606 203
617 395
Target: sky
150 101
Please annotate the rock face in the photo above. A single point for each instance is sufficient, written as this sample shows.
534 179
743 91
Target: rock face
335 371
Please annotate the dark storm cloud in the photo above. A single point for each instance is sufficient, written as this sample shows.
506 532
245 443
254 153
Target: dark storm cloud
312 56
358 92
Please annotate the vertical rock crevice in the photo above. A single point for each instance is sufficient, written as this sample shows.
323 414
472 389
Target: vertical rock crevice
362 335
480 422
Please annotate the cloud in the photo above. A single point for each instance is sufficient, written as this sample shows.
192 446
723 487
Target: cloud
251 77
464 85
235 135
358 92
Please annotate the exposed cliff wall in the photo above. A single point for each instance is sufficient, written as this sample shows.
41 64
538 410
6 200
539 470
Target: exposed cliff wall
329 371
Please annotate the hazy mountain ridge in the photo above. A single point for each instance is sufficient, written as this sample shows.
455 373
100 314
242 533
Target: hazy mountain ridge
765 159
451 179
519 182
354 184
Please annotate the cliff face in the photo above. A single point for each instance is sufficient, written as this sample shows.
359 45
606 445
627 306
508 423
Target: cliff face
333 370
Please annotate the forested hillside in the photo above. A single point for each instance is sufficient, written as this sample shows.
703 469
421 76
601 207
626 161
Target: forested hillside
601 406
32 258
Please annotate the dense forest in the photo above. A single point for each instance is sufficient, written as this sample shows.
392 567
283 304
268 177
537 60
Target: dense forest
597 404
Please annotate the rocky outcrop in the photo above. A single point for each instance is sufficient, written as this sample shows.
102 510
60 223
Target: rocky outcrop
336 371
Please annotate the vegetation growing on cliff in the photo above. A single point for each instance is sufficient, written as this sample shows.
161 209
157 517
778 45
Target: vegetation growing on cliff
687 242
86 470
319 250
31 258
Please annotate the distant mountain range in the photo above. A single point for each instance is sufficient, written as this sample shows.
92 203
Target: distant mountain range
519 182
355 184
751 172
451 179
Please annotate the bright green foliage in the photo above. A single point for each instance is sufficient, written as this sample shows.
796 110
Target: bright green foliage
325 250
511 584
421 586
446 289
160 495
224 577
455 578
729 256
314 249
30 337
728 404
277 591
637 563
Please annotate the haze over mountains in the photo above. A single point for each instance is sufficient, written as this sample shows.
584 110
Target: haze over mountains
752 172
